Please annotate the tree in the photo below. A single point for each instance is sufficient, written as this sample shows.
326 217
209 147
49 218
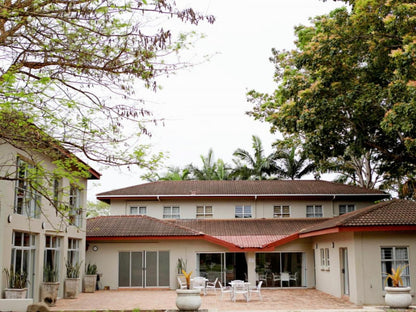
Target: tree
256 166
350 85
99 208
71 69
173 174
211 169
292 166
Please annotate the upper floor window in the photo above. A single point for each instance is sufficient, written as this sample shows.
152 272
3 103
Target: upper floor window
75 211
26 200
391 258
346 208
314 211
171 212
243 212
138 211
281 212
204 212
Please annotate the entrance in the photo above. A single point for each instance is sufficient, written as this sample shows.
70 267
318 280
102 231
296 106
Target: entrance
143 269
345 283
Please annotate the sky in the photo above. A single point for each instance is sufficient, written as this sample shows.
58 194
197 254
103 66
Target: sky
205 106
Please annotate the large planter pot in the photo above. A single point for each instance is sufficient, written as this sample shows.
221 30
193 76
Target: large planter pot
15 293
71 288
188 299
398 297
49 293
89 283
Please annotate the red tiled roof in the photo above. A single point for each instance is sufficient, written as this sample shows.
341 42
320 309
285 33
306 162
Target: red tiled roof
240 188
389 213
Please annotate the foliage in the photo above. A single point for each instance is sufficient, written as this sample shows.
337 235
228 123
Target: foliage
181 265
50 274
187 278
91 269
396 276
73 269
16 280
211 169
99 208
69 75
349 87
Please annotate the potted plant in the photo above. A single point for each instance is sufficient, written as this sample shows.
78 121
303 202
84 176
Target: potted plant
16 284
397 296
71 283
188 299
89 280
50 286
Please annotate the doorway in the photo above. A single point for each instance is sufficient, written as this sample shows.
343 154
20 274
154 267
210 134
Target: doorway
345 283
143 269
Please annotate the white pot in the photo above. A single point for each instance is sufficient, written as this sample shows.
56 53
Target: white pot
398 297
188 299
15 293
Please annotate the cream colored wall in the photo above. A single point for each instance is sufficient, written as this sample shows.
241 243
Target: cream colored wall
48 223
224 209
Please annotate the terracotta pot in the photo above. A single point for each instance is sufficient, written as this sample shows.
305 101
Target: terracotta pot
398 297
188 299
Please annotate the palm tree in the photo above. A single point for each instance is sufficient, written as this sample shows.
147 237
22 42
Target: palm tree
254 167
291 166
211 169
176 174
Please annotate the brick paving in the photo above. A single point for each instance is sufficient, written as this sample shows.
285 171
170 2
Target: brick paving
162 300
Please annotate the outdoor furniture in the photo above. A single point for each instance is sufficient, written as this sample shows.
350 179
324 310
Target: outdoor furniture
212 285
263 277
181 284
240 287
199 282
284 277
225 290
294 277
256 290
275 278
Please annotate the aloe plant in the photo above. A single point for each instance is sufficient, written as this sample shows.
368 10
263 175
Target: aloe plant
16 280
72 269
396 276
187 278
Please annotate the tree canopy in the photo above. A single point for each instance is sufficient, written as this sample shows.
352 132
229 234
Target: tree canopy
349 87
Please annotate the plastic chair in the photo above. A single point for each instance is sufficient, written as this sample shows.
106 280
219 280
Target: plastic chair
225 290
284 277
212 285
294 277
257 290
240 288
275 278
181 284
199 283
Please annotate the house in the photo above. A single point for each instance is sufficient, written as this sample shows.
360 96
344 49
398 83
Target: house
286 233
34 235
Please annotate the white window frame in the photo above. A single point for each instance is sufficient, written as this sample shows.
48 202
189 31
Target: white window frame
52 254
279 211
26 199
399 256
314 213
171 212
243 211
75 210
138 210
73 251
204 212
346 208
324 259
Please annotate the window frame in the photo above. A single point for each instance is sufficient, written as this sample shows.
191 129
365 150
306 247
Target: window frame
74 205
315 214
282 213
73 251
169 213
204 214
140 210
394 262
246 212
347 208
52 255
324 259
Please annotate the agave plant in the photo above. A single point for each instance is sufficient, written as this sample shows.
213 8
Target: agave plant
396 276
187 278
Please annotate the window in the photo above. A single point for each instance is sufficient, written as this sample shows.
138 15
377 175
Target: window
325 264
51 258
171 212
73 251
203 212
75 213
27 200
346 208
314 211
391 258
138 211
281 212
243 211
23 255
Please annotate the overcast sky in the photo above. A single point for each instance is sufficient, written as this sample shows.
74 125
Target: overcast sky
204 107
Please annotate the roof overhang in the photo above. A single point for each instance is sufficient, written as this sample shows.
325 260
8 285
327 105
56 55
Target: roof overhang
375 228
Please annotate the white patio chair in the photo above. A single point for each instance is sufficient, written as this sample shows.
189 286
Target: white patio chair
275 278
294 277
212 285
256 290
225 290
199 283
181 284
263 277
284 277
240 288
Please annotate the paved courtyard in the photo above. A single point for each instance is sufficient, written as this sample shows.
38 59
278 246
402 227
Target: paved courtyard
161 300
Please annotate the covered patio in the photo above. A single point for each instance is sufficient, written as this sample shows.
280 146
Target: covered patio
162 300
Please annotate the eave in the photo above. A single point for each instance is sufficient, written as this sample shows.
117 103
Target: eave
375 228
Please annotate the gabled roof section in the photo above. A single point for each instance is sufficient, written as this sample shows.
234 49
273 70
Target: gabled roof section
240 188
389 215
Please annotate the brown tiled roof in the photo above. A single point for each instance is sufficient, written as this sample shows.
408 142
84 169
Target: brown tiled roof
240 188
134 226
389 213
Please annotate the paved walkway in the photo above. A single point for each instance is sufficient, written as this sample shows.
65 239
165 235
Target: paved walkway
162 300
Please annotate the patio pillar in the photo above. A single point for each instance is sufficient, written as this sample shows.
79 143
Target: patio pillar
251 267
